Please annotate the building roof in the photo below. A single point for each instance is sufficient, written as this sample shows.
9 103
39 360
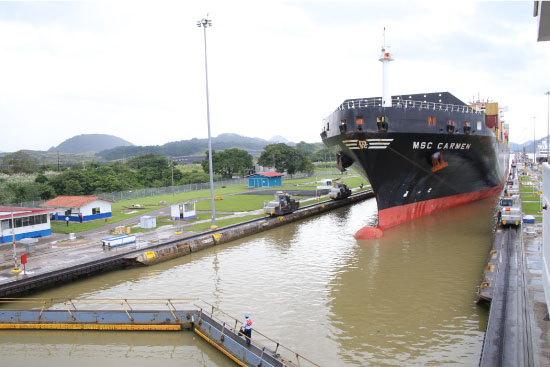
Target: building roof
268 174
5 211
72 201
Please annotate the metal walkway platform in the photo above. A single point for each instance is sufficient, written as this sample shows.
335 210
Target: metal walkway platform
209 322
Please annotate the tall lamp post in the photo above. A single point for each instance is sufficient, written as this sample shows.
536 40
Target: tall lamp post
204 22
547 125
534 149
15 269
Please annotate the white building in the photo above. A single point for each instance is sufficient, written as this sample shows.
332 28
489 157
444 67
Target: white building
80 207
29 222
183 211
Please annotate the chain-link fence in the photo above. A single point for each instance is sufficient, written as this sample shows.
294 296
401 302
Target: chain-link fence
154 191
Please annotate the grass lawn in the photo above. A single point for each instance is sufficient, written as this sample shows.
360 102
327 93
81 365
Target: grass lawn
306 180
530 208
223 222
236 203
121 209
161 221
75 227
530 197
208 216
353 182
178 197
527 189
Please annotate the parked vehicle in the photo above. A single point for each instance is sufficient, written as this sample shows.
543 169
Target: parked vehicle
511 187
339 191
510 213
281 205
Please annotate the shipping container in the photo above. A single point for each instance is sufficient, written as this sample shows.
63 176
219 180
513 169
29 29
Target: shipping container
491 121
491 108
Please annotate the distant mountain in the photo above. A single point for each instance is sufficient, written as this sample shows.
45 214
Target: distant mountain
188 147
90 143
518 148
278 139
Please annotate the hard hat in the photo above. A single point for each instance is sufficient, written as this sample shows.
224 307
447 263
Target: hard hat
246 315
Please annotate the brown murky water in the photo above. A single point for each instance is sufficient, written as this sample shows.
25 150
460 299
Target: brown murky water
406 299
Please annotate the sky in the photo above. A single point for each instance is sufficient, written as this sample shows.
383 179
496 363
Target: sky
136 69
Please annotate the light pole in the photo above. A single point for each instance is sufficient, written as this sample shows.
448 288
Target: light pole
15 269
548 125
534 150
208 23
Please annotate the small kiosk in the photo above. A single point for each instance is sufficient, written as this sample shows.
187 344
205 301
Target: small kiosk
183 211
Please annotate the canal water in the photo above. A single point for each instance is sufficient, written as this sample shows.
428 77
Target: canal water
405 299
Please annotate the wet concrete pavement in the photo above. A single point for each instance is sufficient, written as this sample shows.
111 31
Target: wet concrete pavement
537 309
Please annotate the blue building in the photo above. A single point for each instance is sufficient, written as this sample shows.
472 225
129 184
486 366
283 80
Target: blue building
265 179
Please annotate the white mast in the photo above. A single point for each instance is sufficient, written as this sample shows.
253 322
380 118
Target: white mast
385 58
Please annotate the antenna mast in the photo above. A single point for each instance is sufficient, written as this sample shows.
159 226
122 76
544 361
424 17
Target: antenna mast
385 58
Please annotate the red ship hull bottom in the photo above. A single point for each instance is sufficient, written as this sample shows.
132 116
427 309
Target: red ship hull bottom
393 216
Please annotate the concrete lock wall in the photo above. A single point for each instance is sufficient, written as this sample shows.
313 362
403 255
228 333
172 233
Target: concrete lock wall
546 232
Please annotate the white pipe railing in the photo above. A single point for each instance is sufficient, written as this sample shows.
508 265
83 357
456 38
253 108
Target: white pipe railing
404 103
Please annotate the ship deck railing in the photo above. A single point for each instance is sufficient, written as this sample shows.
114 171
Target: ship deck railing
404 103
217 327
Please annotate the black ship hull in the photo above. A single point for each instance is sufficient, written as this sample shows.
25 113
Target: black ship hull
419 157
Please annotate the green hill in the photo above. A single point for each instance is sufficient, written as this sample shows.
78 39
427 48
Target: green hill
187 147
89 143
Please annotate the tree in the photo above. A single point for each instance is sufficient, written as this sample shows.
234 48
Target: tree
61 186
73 187
285 159
229 162
149 160
40 178
20 162
152 170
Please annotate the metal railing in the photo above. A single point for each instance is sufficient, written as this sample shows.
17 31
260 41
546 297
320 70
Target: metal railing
99 303
404 103
546 232
128 305
279 349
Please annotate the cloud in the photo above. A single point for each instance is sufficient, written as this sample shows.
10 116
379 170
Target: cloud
136 69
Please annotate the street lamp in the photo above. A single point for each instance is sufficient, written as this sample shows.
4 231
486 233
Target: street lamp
548 126
15 269
208 23
534 150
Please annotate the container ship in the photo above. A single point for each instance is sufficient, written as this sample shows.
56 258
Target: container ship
422 153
